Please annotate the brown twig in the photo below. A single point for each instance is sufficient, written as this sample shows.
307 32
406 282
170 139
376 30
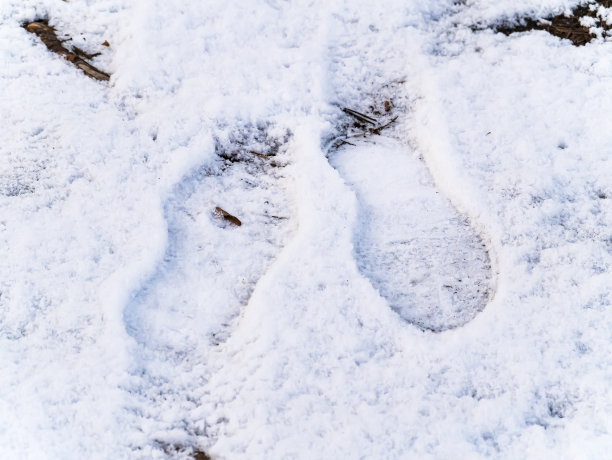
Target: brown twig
360 116
48 36
79 52
380 128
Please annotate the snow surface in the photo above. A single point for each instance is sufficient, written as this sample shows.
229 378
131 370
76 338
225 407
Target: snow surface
410 242
134 323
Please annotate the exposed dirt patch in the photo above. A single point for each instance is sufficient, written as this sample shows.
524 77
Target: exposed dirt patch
48 36
586 22
174 450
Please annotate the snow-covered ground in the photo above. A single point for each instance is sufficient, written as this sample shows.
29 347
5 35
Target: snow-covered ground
441 290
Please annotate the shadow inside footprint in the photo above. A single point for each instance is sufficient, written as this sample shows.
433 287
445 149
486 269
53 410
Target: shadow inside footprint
420 254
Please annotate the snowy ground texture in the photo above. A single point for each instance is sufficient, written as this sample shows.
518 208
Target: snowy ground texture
440 291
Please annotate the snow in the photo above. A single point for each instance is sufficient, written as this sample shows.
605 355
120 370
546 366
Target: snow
134 323
411 243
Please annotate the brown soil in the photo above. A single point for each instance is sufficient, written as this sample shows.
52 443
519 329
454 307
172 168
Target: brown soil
568 27
195 454
199 455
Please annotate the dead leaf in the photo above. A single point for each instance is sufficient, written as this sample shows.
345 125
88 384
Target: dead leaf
227 217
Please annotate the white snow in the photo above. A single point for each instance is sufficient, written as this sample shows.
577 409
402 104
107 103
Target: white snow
134 323
410 242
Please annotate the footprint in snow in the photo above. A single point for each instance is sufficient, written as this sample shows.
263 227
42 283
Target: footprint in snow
213 259
212 263
420 254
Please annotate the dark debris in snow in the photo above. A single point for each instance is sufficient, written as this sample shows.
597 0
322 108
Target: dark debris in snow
48 36
578 27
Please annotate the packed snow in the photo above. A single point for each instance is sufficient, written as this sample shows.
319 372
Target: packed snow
410 242
438 288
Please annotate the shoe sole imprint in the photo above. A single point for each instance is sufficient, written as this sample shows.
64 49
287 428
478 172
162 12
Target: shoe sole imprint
416 249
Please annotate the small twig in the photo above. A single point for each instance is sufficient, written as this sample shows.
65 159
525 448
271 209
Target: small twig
79 52
360 116
260 155
380 128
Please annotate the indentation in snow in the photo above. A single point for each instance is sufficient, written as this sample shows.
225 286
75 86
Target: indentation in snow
420 254
177 327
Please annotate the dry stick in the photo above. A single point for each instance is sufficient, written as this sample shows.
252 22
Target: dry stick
47 35
79 52
260 155
380 128
360 116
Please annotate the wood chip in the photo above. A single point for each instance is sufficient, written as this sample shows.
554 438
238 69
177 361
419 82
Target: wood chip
226 216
